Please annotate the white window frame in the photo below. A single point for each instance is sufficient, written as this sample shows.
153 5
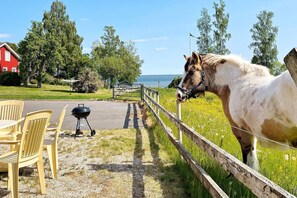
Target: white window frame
13 69
7 55
4 69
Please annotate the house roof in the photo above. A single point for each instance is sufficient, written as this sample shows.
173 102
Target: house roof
2 44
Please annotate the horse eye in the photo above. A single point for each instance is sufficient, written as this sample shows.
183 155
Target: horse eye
191 72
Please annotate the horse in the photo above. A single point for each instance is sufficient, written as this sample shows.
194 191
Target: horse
260 107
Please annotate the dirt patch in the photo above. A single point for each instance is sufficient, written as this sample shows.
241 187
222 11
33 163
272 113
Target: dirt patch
113 163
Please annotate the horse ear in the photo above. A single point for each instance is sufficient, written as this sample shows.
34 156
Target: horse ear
185 57
197 57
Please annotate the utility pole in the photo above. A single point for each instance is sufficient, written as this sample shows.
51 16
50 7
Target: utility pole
191 35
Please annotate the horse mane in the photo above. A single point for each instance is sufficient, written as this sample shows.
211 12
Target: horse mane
243 65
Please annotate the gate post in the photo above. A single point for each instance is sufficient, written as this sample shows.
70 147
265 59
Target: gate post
291 63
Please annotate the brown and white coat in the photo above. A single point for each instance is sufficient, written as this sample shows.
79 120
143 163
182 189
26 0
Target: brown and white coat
260 107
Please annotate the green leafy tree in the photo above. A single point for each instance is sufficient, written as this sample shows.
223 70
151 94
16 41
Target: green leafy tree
132 63
34 50
277 68
13 46
204 41
115 60
51 46
110 69
264 36
220 35
62 35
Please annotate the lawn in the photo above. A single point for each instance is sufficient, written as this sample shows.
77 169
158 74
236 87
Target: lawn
50 92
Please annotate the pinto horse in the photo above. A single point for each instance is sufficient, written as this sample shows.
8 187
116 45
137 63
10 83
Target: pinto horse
259 107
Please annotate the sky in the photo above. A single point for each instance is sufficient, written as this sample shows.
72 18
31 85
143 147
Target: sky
160 29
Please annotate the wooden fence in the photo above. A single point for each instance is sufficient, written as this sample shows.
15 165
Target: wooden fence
257 183
126 91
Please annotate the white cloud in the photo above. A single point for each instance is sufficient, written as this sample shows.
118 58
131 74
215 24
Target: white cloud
160 48
5 35
150 39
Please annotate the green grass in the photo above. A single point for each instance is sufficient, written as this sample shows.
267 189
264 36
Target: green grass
205 115
50 92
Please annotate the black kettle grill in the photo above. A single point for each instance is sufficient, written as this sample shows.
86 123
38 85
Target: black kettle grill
81 112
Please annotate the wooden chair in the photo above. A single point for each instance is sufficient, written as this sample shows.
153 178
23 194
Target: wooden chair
51 144
11 110
28 149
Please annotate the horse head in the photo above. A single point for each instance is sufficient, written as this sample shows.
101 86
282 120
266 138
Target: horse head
192 84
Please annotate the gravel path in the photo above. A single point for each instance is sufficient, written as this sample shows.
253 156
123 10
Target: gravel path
125 162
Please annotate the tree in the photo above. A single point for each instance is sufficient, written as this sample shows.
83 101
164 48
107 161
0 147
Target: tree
116 60
51 46
220 36
264 35
277 68
61 33
204 41
13 46
33 50
132 63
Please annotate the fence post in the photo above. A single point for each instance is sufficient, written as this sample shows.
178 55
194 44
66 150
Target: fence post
178 108
158 101
141 92
155 99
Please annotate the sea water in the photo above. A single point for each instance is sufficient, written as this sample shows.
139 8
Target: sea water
161 81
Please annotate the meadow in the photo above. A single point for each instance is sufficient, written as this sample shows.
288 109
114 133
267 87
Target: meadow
206 116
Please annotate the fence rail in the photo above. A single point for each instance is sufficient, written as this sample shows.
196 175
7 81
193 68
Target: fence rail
257 183
126 91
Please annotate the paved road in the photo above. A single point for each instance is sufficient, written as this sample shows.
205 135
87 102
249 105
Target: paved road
104 114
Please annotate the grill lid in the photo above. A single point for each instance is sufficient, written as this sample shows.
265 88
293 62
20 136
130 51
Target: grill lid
81 111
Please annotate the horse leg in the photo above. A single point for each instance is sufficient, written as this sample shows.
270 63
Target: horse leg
248 148
252 160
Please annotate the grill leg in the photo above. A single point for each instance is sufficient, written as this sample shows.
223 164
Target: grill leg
77 130
93 132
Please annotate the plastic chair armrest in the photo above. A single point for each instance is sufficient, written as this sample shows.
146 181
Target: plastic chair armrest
10 141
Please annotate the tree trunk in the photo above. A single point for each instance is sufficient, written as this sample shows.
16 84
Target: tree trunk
39 76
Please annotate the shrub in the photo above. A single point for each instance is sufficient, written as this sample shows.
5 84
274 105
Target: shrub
10 79
175 82
52 80
33 81
89 82
49 79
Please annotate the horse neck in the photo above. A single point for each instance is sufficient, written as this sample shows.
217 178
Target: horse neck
220 78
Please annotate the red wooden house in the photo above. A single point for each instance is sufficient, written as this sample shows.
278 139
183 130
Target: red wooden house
9 59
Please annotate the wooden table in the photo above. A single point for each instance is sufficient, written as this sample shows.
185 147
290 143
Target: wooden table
7 123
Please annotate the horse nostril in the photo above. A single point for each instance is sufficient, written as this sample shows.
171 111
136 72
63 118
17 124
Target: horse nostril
179 96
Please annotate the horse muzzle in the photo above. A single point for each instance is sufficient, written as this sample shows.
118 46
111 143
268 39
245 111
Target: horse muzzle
181 94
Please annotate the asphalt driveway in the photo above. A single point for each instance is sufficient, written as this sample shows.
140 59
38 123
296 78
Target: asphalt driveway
104 114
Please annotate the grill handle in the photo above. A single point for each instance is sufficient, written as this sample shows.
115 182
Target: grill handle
81 105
